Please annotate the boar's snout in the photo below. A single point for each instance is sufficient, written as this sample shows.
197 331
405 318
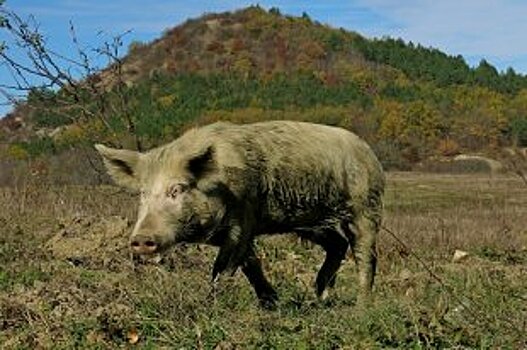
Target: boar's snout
144 245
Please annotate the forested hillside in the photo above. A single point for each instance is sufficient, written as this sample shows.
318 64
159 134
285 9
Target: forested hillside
410 102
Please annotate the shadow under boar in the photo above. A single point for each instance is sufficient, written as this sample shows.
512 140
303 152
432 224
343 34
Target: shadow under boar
223 184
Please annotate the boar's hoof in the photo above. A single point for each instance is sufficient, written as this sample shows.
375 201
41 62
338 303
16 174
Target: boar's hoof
268 301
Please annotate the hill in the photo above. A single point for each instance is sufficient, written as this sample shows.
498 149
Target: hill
410 102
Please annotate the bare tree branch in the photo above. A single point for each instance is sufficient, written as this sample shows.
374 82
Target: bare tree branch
79 95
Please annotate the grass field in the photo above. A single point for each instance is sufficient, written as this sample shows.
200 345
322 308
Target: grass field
67 281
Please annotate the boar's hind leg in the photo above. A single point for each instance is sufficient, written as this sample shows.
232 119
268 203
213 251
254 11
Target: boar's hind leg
367 254
336 246
252 268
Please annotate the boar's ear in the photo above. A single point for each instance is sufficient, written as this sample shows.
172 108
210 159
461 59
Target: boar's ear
121 165
202 163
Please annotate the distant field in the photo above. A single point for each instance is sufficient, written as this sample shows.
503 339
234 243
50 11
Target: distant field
67 281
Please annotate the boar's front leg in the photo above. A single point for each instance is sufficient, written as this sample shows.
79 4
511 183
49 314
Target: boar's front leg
252 268
237 250
233 249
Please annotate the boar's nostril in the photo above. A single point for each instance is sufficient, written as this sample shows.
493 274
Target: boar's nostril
144 245
150 244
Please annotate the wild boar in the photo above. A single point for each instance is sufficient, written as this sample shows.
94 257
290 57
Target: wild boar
224 184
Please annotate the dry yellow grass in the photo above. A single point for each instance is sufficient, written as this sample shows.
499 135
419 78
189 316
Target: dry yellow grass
66 280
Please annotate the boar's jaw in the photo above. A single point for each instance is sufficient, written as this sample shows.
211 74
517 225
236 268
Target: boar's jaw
193 233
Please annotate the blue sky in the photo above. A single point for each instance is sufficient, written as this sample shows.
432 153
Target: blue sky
490 29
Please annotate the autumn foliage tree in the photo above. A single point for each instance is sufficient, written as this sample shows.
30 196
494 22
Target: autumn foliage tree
410 102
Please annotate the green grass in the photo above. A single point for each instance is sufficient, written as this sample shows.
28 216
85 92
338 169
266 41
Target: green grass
94 297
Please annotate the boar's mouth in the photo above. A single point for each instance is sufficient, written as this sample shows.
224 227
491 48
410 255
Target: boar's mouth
147 259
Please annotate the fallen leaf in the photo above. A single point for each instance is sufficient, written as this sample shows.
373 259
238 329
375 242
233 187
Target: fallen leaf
133 336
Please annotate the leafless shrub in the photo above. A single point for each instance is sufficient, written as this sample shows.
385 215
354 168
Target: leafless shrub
73 88
515 161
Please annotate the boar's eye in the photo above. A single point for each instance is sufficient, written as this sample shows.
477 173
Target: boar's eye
175 190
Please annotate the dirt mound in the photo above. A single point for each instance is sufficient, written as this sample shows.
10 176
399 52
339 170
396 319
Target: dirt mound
492 164
92 241
461 164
